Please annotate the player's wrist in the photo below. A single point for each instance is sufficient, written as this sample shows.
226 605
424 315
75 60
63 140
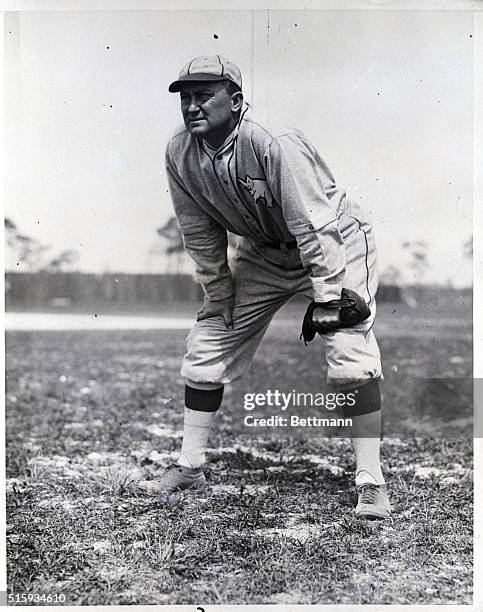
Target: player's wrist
326 292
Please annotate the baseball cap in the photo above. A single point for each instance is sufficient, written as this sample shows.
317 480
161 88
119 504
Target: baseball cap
208 68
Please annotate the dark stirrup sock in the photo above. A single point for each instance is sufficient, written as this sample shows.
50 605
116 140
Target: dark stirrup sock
367 399
204 400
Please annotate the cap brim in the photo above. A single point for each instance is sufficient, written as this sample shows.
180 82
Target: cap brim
176 85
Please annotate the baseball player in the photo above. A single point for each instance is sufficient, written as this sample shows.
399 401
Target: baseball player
299 233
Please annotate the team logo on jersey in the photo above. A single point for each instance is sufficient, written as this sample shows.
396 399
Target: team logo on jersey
259 190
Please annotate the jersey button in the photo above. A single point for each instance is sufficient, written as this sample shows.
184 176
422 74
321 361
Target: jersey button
219 157
226 182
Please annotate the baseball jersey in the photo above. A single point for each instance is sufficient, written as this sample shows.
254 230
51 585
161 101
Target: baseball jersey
268 185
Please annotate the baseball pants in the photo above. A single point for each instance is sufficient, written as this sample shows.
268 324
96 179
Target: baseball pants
264 279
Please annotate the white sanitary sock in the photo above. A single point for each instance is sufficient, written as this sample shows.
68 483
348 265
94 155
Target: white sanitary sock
197 427
367 449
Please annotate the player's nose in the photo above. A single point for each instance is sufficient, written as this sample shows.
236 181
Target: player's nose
193 106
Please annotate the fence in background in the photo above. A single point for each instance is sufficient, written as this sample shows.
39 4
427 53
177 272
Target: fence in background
76 291
65 290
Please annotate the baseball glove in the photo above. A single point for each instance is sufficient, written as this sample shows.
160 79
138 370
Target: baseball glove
352 310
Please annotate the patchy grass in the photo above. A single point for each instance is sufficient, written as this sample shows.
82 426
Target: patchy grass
90 414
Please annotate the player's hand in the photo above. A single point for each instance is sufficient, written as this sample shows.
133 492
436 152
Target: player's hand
222 308
325 316
328 317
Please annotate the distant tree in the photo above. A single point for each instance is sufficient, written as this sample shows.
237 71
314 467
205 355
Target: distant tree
468 248
10 227
10 233
65 259
418 259
31 255
174 247
28 252
391 276
172 233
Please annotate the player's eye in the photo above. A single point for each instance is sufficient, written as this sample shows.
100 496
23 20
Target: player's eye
197 98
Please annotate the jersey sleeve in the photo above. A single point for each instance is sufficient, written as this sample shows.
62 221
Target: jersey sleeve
301 182
204 239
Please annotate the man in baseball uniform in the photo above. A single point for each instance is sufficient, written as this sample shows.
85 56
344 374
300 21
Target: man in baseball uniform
299 232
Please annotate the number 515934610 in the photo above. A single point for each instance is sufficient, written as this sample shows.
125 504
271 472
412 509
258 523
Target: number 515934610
19 598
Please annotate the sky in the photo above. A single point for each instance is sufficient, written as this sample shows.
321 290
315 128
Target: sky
385 96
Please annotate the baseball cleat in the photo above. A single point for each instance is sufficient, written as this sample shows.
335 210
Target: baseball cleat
175 478
373 502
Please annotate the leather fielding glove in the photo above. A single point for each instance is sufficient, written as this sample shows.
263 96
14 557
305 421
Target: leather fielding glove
352 310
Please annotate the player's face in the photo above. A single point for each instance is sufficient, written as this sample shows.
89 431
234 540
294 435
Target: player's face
208 110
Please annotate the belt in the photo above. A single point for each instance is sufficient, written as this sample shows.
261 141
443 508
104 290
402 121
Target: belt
281 246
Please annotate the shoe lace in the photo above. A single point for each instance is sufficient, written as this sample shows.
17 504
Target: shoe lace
173 466
369 494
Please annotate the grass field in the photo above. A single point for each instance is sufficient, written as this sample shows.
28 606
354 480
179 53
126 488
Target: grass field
89 414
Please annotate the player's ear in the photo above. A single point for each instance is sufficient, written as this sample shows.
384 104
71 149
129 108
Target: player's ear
236 101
